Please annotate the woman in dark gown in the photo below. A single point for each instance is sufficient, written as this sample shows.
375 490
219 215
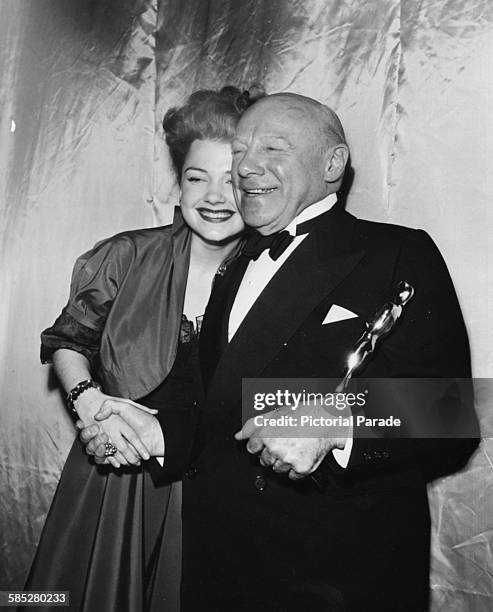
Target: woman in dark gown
129 335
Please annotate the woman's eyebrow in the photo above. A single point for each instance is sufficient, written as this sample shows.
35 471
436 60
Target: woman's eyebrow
194 168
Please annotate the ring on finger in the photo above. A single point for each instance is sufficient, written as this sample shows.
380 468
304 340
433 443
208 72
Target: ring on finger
277 465
109 449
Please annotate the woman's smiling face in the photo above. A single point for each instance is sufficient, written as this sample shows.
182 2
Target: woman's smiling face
207 200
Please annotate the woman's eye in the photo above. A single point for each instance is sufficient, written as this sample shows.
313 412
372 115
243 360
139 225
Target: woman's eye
194 179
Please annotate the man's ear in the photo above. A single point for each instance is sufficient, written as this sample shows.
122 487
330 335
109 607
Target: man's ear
337 157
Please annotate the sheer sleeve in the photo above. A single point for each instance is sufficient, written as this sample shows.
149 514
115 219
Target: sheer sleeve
68 333
95 281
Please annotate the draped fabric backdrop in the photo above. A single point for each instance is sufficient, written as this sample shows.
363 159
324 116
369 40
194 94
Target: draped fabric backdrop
83 87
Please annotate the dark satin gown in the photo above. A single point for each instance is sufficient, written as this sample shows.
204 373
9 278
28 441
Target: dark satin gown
111 537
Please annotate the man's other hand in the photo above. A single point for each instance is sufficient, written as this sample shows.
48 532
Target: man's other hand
287 445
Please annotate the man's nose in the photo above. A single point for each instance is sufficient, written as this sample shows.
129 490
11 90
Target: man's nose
249 164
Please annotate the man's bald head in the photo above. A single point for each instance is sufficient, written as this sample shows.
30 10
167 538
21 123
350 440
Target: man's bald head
289 152
325 119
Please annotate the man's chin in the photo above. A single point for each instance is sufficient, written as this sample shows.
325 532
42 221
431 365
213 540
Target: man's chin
254 214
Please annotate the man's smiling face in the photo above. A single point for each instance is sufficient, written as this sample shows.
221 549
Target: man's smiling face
279 162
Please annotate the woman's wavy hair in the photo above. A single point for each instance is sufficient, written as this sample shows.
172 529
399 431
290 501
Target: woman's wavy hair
207 114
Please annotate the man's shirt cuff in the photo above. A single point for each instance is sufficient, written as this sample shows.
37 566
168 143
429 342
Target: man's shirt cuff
342 455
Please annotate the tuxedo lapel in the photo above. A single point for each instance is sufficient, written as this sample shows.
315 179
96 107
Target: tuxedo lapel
308 276
214 333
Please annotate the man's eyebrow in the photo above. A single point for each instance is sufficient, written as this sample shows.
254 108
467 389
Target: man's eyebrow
283 139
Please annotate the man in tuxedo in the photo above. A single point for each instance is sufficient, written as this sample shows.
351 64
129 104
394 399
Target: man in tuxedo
259 532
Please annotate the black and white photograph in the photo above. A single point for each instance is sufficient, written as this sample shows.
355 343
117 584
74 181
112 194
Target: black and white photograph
246 278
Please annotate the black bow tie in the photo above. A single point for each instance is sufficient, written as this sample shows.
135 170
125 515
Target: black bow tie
277 243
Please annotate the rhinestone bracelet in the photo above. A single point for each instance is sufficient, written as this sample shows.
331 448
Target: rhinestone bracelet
79 389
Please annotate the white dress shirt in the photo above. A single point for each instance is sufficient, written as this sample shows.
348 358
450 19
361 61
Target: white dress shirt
260 272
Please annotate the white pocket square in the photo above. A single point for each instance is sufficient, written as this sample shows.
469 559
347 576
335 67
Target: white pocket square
338 313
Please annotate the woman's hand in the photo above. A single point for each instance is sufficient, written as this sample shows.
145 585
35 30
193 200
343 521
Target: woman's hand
129 443
140 419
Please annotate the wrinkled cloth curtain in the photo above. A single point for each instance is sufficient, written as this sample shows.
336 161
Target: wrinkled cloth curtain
83 87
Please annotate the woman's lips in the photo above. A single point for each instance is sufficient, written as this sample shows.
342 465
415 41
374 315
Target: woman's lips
215 216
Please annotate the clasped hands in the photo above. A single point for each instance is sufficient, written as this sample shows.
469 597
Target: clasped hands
131 427
136 433
290 448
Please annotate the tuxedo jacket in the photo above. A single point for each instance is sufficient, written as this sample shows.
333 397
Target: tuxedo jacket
253 539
